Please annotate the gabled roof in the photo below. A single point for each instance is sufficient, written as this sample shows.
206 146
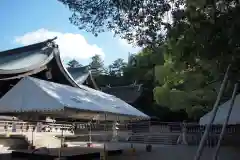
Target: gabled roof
31 94
127 93
36 58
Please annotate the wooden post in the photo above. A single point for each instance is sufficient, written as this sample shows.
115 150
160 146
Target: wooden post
90 133
32 134
133 150
61 144
103 154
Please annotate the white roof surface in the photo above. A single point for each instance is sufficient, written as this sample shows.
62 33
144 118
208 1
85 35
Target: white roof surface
222 113
31 94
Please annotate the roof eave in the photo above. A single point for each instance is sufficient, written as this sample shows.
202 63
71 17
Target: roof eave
28 47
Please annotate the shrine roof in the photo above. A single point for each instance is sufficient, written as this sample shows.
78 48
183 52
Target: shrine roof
128 93
25 58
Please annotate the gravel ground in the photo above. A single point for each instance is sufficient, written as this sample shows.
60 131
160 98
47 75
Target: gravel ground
176 153
165 152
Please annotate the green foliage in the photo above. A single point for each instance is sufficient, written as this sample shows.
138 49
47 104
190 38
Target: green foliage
74 63
184 60
117 67
97 65
182 86
135 20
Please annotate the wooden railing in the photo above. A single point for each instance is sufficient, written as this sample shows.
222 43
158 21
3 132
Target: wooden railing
194 131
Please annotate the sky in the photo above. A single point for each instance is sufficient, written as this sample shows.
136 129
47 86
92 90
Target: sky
26 22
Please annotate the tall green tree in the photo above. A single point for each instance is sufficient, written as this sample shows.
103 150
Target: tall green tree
97 65
206 32
183 87
195 46
117 67
73 63
135 20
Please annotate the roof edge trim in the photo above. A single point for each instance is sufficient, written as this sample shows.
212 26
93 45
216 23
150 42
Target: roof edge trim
25 74
28 47
63 69
27 69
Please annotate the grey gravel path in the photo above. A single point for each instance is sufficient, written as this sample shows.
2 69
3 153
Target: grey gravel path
177 153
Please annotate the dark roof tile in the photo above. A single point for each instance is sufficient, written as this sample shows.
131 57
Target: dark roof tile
127 93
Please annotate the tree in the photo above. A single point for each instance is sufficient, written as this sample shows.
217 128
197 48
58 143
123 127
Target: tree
135 20
205 29
73 63
185 58
183 88
206 33
117 67
97 65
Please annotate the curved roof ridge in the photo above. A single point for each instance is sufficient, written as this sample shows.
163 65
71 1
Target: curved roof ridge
64 70
16 61
28 47
40 64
